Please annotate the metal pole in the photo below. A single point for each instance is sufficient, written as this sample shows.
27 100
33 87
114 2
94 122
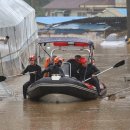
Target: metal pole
1 64
9 47
128 33
128 20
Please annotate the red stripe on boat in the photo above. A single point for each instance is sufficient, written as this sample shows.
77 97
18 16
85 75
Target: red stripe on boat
90 86
60 43
80 44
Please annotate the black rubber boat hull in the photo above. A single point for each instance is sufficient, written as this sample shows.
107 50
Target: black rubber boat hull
65 85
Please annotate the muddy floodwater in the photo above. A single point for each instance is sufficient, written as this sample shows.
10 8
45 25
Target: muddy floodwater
99 114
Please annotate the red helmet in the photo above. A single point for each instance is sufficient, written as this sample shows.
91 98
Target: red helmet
83 60
57 59
32 58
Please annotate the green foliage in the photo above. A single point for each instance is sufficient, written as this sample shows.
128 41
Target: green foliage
37 5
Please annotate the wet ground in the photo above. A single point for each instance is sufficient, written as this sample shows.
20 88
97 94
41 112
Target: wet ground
100 114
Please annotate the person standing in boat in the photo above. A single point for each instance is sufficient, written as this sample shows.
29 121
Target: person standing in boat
89 71
35 74
56 68
75 65
49 61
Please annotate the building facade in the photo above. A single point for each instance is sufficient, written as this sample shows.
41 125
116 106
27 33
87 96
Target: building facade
120 3
85 8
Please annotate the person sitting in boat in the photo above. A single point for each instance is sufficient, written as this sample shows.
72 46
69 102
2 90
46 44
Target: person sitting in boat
75 65
56 68
49 61
89 71
35 74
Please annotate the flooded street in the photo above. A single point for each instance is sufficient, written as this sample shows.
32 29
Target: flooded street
99 114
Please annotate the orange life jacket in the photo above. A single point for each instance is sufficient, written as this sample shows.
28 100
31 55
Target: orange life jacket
46 64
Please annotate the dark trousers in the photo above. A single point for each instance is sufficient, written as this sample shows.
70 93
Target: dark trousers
25 87
94 81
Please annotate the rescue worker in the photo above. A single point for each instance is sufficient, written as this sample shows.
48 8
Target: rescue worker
75 65
49 61
35 74
56 68
89 71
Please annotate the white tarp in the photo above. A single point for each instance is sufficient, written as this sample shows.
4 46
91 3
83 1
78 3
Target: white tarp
17 20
